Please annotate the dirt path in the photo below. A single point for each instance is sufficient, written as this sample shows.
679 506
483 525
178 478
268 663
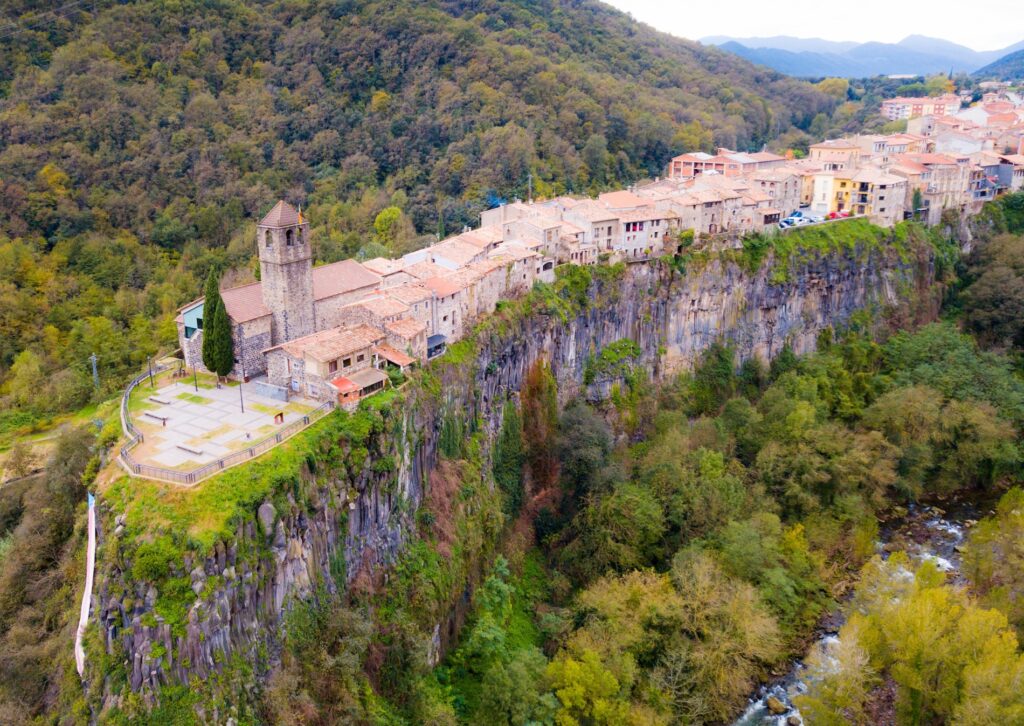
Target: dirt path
90 567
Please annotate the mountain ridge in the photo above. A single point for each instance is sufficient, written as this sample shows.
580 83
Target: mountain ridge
817 57
1008 67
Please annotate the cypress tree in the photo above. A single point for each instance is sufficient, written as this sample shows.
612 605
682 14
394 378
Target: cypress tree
210 304
218 347
223 346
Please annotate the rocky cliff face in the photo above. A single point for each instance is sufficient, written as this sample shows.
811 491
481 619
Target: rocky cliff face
353 514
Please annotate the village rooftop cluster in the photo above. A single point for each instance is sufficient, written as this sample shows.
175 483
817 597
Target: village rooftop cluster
330 333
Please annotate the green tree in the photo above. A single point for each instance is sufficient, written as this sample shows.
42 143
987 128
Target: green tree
617 531
211 302
510 457
835 87
587 691
222 353
714 380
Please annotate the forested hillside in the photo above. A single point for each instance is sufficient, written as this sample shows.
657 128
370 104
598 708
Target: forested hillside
137 139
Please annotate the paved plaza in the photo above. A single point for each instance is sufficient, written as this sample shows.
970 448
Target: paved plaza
206 425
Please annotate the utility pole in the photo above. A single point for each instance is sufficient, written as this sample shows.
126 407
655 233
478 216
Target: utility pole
241 383
151 373
195 378
95 374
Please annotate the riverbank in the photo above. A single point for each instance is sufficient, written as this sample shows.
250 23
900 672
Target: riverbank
924 533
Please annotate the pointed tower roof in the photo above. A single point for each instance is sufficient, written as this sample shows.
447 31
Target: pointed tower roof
282 215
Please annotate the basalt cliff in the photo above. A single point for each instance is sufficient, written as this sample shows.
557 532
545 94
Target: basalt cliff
337 506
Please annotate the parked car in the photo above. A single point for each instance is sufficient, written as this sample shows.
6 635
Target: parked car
797 214
801 221
816 219
784 224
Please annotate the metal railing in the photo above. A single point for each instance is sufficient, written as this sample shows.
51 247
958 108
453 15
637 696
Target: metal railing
194 476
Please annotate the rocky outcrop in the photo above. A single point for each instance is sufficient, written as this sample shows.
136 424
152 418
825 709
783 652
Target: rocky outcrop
354 519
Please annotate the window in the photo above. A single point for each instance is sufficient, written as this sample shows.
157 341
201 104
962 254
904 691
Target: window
347 362
359 358
268 239
289 237
331 367
445 318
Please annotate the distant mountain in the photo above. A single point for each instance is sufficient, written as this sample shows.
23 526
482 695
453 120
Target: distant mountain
815 57
786 42
1008 68
800 64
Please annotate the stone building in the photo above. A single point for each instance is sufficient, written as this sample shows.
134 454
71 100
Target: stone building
307 365
292 300
286 273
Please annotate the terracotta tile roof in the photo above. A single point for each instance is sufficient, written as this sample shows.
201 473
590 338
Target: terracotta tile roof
482 237
492 263
593 212
383 266
411 293
282 215
407 328
455 251
931 158
393 355
515 251
425 270
341 277
344 385
643 215
442 286
244 303
465 277
908 166
622 199
383 306
340 342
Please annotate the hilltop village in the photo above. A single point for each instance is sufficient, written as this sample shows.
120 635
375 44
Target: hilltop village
330 332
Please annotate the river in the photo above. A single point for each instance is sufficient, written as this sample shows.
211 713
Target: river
925 533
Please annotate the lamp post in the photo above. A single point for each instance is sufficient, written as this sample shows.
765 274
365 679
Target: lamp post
195 378
241 359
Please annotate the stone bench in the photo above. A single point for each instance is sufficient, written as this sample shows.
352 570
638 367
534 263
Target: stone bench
190 449
161 401
158 417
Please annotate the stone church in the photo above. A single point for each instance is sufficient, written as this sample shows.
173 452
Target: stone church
292 300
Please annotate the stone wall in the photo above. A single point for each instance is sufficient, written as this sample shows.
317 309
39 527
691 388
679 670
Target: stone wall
250 340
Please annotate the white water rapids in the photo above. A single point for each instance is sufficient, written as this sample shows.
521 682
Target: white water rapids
945 533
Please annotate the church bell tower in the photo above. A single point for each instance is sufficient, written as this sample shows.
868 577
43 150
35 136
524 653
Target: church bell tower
286 272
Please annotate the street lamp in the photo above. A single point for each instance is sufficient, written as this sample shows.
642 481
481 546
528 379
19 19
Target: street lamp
241 360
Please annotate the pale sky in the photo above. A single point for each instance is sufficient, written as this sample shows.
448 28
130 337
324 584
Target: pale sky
986 25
